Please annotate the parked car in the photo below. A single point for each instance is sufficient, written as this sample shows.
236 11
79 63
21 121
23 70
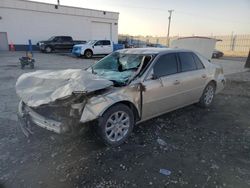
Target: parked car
126 44
123 89
217 54
58 43
93 47
156 45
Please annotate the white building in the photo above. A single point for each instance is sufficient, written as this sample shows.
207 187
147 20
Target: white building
22 20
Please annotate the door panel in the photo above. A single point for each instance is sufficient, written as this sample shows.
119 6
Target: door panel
67 43
107 47
101 31
3 42
161 95
192 84
58 43
98 47
193 80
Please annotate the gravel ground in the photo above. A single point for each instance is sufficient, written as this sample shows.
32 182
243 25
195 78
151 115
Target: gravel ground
201 147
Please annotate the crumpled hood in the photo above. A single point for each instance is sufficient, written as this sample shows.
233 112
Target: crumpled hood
45 86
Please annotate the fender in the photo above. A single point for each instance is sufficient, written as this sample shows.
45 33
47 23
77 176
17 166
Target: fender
83 52
85 47
97 105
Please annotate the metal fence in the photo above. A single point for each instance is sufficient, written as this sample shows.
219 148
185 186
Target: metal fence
229 43
237 43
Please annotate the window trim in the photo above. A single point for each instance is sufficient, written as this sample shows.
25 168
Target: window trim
203 67
151 68
104 41
97 42
180 62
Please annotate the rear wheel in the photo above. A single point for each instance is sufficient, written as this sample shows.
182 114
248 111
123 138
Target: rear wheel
22 65
208 95
116 124
32 65
88 54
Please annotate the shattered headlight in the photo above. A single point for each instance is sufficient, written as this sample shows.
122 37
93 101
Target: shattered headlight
77 105
76 109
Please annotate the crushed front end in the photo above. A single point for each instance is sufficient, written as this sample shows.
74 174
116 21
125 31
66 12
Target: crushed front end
59 117
55 99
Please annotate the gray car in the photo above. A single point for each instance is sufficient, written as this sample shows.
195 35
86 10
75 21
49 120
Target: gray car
121 90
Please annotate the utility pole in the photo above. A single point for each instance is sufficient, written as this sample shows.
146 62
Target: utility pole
169 22
57 5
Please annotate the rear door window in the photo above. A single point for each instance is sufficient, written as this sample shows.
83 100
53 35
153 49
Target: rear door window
198 62
166 65
187 61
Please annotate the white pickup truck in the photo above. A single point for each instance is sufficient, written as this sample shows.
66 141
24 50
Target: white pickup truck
93 47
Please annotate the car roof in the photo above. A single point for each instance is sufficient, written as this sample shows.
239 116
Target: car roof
60 36
150 51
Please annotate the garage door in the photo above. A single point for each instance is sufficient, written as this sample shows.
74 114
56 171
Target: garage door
101 31
3 41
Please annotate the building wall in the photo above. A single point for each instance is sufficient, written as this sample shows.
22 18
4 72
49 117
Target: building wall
24 20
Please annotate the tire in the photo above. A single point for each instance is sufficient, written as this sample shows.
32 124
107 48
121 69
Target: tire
48 49
110 127
208 95
32 65
88 54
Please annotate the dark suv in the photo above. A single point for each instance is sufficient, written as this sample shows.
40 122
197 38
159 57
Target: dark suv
58 43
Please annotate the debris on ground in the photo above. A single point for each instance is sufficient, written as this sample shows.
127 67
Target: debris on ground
165 172
161 142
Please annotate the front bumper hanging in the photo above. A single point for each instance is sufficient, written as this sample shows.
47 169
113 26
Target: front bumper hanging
27 116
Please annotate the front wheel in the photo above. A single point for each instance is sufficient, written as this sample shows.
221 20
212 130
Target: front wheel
48 49
207 96
32 65
88 54
116 124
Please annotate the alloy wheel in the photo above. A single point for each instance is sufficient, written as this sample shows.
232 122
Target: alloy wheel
117 126
209 95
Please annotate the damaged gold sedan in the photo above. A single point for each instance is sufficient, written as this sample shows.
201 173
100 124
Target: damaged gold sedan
125 88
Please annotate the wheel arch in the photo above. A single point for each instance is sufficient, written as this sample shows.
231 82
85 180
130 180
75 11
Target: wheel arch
92 112
88 49
49 45
129 104
212 82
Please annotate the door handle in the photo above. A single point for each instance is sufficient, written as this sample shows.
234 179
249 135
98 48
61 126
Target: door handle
176 82
204 76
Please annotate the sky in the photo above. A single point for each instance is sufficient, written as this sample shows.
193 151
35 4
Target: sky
190 17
